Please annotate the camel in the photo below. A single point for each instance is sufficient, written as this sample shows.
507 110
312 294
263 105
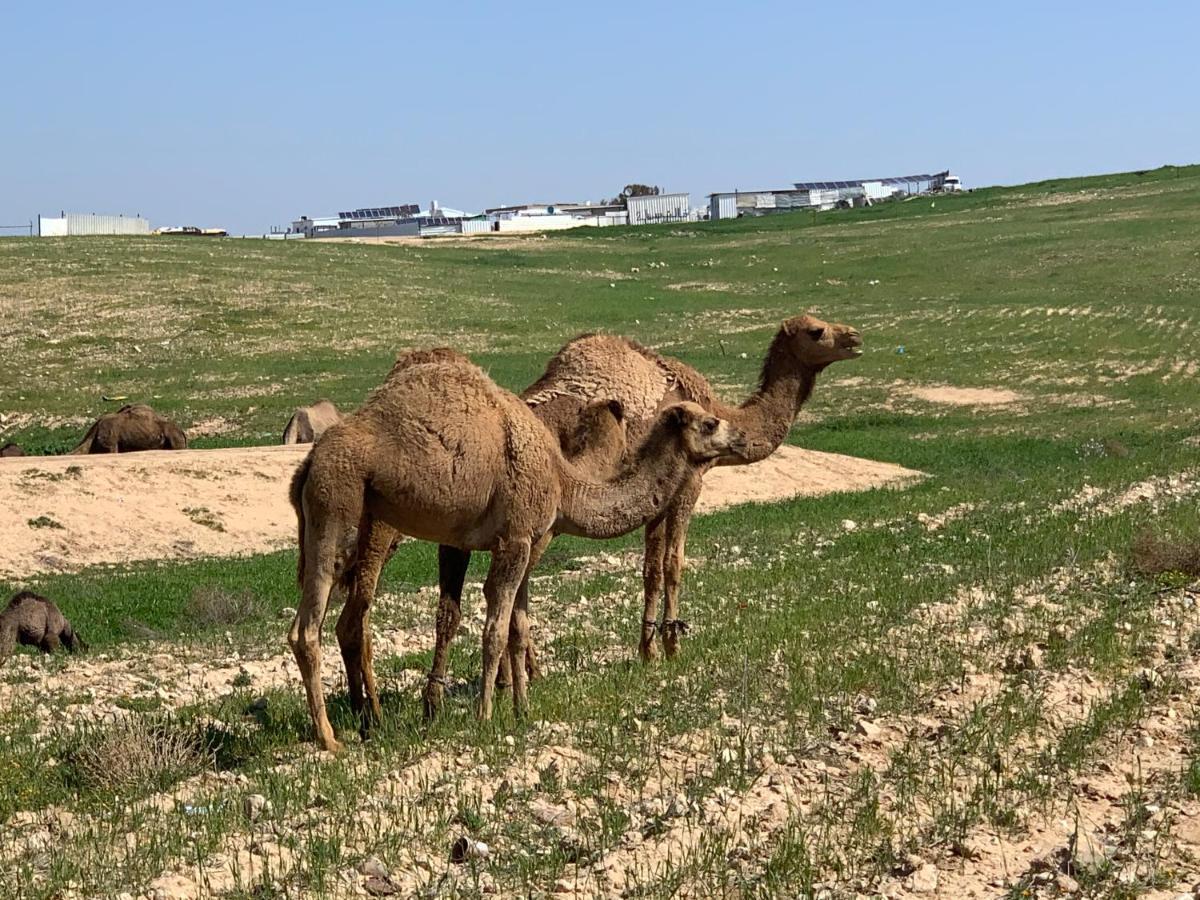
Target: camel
441 453
35 621
12 450
597 365
309 422
595 443
131 428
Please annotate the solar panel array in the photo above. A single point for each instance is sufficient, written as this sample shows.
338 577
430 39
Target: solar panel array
834 185
382 212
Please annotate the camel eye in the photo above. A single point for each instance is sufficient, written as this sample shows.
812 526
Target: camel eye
816 333
709 426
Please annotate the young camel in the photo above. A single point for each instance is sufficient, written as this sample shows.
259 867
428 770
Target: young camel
597 365
441 453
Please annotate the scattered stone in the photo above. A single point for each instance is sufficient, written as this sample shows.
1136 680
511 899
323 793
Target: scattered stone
255 806
550 814
1145 741
924 880
1067 884
867 729
380 887
173 887
288 612
373 865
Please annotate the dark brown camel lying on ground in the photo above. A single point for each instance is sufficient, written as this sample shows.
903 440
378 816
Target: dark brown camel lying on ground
35 621
131 428
11 450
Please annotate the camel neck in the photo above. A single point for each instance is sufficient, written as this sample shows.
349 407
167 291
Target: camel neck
634 496
766 416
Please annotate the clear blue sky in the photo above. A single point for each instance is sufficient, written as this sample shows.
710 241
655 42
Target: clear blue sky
248 115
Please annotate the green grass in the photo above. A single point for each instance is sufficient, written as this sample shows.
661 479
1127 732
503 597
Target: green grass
1080 295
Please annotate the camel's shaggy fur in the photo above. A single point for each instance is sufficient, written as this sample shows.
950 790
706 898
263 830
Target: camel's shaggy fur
130 428
309 422
35 621
441 453
595 365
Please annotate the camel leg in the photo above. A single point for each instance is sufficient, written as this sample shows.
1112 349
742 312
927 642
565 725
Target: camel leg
510 558
305 635
652 581
353 625
50 643
520 648
678 517
452 572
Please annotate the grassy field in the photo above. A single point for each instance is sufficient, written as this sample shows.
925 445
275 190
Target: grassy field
877 684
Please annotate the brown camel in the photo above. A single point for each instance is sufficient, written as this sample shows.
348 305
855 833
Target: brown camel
11 450
131 428
35 621
596 365
309 422
441 453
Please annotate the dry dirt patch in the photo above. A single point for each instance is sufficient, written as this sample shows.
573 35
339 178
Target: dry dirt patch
956 396
70 512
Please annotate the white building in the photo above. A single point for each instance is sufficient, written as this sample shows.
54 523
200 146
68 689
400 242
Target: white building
651 208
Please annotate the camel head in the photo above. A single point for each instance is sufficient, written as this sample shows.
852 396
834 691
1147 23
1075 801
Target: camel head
704 436
818 343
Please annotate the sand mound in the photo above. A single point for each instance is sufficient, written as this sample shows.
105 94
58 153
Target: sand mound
69 512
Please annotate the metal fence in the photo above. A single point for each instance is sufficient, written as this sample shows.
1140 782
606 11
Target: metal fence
17 230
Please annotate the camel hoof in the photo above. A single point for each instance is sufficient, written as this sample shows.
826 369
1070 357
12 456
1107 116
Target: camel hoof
649 651
331 745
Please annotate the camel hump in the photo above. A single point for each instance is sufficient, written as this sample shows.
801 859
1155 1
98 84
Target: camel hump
602 367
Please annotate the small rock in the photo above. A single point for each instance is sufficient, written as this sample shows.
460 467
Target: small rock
380 887
1145 741
288 612
255 806
849 525
1067 884
550 814
924 880
373 865
867 729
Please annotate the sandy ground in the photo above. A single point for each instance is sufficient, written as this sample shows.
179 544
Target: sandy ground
69 512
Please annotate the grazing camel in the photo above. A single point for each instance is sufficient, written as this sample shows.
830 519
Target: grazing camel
131 428
597 365
441 453
309 422
35 621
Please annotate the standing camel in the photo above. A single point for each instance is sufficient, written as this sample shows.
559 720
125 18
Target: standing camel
598 365
441 453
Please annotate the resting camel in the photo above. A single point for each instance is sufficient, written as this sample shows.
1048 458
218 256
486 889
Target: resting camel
597 365
441 453
12 450
309 422
35 621
130 428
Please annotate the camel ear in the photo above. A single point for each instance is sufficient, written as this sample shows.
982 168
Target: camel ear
678 415
618 411
788 327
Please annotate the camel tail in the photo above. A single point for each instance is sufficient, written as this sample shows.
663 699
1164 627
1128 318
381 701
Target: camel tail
291 434
296 495
85 446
